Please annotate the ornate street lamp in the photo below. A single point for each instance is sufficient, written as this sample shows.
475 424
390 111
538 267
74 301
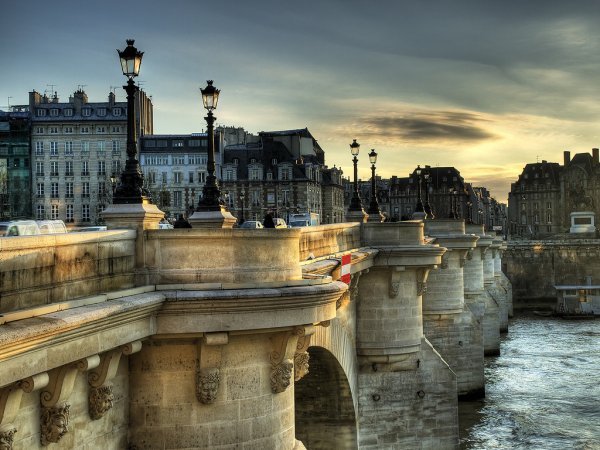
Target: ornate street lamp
427 207
355 203
419 208
211 196
242 198
131 189
373 205
453 194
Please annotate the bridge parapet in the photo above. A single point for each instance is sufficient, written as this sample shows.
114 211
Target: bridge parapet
326 240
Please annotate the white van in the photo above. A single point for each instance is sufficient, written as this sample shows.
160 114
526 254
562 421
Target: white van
19 228
51 226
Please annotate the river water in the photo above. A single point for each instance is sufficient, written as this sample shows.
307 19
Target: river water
542 392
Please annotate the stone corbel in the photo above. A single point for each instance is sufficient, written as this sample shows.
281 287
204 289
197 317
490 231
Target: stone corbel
444 264
463 256
394 282
284 346
470 254
62 380
101 397
208 374
301 356
422 274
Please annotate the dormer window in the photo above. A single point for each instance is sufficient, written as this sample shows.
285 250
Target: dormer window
41 112
252 160
116 111
68 112
101 112
54 112
274 161
86 112
236 161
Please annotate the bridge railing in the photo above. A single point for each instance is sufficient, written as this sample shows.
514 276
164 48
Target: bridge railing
329 239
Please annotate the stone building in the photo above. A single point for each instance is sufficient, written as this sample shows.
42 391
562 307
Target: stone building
174 168
443 188
545 194
76 148
282 172
15 168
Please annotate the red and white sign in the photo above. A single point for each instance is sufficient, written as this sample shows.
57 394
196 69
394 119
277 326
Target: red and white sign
345 270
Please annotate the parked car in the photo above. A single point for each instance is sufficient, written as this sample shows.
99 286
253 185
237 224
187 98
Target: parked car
93 228
165 226
52 226
19 228
279 222
252 224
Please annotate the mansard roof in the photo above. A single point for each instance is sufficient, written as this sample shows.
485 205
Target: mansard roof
583 160
537 172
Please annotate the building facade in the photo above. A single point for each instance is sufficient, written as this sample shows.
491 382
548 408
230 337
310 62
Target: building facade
15 165
174 168
78 150
545 194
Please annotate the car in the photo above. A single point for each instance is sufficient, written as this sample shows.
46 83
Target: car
19 228
52 226
279 222
252 224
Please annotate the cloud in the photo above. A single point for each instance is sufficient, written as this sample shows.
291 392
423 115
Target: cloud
422 127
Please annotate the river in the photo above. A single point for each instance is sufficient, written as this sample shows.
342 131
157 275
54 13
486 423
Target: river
542 392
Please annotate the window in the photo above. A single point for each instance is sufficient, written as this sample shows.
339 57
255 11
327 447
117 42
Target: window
85 147
190 177
236 161
69 168
177 199
68 112
53 130
101 168
116 129
116 166
39 130
85 213
41 112
84 130
40 189
549 217
53 148
53 168
150 143
39 168
285 174
54 112
161 143
69 189
194 143
274 161
85 171
177 177
101 189
164 178
152 177
39 148
101 112
85 189
68 130
269 175
100 129
254 174
100 149
179 160
286 197
54 190
69 213
178 143
116 148
40 212
116 111
201 177
69 148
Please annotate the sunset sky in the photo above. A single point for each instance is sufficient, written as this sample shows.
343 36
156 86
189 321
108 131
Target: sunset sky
485 86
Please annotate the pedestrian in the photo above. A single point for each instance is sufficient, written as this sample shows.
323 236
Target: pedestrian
268 222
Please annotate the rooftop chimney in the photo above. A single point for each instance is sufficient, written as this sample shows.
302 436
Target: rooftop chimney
595 155
567 154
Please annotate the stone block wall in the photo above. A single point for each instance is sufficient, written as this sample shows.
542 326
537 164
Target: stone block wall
38 270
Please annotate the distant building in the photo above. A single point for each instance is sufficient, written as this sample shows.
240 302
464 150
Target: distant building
15 165
544 196
282 172
174 168
76 148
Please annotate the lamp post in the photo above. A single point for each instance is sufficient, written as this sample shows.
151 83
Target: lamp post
427 207
453 194
131 189
469 211
242 198
355 203
373 205
419 208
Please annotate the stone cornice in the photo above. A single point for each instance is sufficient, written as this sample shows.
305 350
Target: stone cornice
409 255
457 241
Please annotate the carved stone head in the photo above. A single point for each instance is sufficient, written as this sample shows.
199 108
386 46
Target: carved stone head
6 439
207 385
100 401
300 365
281 376
54 423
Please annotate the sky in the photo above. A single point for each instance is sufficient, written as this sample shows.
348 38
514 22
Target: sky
484 86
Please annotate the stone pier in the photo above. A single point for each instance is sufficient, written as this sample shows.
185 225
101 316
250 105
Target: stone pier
448 323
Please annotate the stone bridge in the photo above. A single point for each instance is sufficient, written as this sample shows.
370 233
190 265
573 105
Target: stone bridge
246 339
